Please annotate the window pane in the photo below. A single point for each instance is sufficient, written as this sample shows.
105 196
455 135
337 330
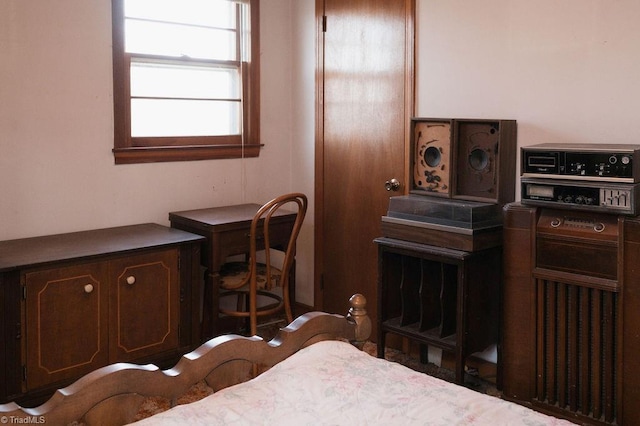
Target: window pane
151 117
213 13
184 81
179 40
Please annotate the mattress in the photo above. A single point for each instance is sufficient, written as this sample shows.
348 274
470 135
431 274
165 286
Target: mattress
333 383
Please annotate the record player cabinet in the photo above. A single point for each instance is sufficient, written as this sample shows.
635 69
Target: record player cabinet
440 253
571 313
438 296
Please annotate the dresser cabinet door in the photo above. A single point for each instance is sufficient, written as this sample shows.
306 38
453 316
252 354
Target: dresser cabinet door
144 305
66 322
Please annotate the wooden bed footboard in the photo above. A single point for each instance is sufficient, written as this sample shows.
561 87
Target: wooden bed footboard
113 394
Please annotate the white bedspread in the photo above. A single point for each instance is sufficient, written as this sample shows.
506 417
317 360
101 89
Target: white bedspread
332 383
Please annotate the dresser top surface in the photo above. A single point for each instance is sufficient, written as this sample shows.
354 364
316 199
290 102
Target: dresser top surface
34 251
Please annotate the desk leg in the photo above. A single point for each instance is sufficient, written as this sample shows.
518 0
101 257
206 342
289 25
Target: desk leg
211 310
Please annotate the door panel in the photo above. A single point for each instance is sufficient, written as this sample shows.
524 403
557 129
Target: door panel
365 101
144 304
66 322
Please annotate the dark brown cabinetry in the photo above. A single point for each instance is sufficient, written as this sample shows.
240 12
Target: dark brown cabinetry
139 328
65 323
570 313
75 302
439 296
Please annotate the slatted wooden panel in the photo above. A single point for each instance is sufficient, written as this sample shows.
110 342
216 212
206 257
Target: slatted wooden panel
576 367
428 292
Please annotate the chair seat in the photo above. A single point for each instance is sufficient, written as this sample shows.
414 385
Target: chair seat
233 275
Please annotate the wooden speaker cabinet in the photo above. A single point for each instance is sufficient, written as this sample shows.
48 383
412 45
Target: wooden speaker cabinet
464 159
571 299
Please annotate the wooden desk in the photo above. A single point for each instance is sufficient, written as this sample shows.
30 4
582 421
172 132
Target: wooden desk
227 233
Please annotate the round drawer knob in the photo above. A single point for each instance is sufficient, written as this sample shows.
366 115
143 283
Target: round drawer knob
131 279
88 288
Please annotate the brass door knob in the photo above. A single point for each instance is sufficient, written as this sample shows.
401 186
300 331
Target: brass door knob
392 185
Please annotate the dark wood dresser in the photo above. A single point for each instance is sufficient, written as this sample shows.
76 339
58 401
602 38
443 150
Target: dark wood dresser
571 313
75 302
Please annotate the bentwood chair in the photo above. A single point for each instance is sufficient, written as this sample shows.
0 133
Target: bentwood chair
252 281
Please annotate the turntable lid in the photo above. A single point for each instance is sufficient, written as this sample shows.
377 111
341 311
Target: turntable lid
448 212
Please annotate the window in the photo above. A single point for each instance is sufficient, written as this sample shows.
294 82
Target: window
185 80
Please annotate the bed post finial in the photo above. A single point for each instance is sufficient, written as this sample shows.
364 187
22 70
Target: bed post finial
358 314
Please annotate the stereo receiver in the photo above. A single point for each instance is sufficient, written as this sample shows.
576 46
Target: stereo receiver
619 198
601 163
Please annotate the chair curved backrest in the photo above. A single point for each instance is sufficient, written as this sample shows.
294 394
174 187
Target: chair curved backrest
266 233
260 230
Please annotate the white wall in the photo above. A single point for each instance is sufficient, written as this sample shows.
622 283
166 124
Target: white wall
57 172
567 71
303 48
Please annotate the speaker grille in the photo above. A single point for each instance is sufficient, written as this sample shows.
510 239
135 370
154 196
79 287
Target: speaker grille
576 365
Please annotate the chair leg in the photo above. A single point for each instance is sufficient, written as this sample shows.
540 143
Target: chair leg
247 308
253 315
287 305
241 303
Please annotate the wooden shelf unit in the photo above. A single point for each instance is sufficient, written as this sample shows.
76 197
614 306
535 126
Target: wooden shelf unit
439 296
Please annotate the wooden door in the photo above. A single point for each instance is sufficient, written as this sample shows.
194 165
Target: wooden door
65 323
144 306
365 100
